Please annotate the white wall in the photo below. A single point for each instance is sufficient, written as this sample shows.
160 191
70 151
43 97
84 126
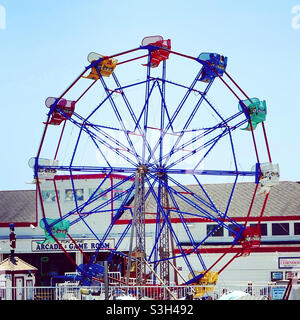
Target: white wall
256 267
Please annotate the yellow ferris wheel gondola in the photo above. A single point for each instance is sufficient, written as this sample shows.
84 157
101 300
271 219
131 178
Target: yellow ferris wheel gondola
106 66
206 284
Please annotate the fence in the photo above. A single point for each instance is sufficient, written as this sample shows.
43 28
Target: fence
71 291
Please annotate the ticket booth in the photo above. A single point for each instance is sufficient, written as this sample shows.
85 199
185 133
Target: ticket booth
17 279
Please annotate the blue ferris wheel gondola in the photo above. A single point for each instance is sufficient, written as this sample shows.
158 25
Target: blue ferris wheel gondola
214 64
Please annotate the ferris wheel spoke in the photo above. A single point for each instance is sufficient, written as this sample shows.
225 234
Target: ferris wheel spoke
86 126
100 129
199 204
206 153
211 143
116 146
204 203
187 230
207 172
207 144
203 133
104 142
137 125
206 131
205 193
88 169
191 117
100 150
82 215
203 98
131 112
164 106
196 207
115 218
101 208
118 116
163 112
169 225
143 111
176 112
191 152
183 101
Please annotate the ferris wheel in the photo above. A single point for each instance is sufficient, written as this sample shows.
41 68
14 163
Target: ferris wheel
167 124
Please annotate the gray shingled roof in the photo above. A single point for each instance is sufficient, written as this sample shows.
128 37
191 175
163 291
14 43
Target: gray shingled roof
284 200
17 206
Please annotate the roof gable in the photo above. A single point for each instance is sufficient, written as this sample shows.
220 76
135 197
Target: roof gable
16 264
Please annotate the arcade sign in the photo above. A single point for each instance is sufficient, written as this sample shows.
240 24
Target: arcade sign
69 246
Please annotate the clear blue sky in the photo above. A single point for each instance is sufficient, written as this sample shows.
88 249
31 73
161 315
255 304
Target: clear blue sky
45 44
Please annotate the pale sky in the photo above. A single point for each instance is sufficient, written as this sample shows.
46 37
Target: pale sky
44 45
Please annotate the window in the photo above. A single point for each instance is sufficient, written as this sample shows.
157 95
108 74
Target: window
263 228
297 228
219 232
233 227
280 229
117 193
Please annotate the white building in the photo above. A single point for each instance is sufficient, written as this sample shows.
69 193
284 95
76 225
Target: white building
276 258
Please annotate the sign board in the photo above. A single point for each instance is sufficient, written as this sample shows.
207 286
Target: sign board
290 275
69 246
275 276
277 293
288 262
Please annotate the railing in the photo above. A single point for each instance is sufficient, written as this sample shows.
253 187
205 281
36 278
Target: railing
71 291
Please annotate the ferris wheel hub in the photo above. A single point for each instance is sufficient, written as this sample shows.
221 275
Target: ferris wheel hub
142 169
161 173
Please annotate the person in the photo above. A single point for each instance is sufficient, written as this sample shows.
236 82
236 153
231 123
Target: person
79 194
48 197
69 195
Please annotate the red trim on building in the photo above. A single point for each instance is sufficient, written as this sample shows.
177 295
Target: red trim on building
17 224
90 176
75 177
204 220
238 249
111 197
36 209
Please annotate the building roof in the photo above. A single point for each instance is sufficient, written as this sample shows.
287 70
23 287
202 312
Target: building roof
283 200
16 264
17 206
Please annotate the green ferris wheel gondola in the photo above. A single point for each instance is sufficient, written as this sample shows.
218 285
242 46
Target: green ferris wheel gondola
255 110
54 227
